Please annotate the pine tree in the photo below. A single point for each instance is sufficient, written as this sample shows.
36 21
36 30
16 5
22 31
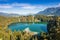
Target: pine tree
36 38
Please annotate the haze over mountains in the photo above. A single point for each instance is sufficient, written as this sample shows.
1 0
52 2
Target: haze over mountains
6 14
52 11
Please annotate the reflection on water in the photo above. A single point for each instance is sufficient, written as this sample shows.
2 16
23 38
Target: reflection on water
29 27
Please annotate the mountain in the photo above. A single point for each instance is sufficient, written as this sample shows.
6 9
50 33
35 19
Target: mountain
9 15
3 14
52 11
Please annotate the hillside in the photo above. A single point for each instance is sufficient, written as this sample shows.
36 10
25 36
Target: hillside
52 11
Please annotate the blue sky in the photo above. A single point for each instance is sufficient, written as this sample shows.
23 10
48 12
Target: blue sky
25 7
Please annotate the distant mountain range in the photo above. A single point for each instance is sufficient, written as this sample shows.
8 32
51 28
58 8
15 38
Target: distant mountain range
9 15
50 11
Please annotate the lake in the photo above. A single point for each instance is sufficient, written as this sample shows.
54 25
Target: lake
28 27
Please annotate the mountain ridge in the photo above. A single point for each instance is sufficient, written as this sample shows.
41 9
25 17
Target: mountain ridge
9 15
52 11
47 11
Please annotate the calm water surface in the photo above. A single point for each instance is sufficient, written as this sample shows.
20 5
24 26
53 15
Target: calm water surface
32 27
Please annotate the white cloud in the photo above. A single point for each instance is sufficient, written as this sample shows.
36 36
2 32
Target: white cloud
23 9
5 6
27 6
59 4
21 5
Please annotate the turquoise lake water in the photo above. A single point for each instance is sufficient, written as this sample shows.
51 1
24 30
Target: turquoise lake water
32 27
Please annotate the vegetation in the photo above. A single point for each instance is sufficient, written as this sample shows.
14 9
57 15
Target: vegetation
54 31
